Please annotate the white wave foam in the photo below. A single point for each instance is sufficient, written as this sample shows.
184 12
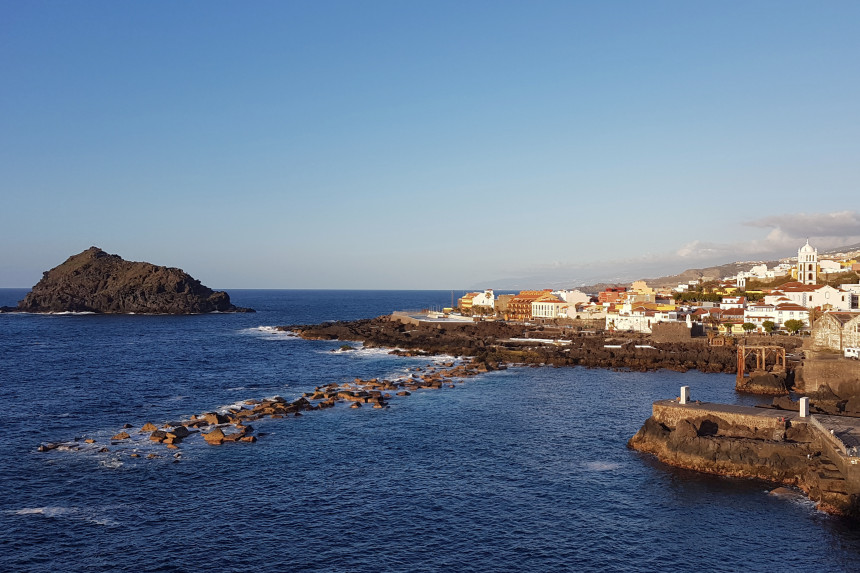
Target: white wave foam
111 464
234 406
59 512
70 313
602 466
46 511
270 333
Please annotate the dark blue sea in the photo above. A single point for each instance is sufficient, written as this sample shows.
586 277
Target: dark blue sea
518 470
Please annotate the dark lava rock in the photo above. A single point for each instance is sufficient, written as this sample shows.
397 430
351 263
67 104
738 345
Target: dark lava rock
95 281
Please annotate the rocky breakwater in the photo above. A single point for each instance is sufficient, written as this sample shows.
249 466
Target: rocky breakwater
95 281
232 425
748 442
494 342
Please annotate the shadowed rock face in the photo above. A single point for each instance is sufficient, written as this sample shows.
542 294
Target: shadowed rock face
790 456
95 281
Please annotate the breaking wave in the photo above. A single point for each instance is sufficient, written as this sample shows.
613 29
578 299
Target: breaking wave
270 333
59 512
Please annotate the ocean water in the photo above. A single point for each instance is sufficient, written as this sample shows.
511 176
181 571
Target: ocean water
519 470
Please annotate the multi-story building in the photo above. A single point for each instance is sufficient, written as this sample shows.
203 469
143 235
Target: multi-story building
547 307
760 312
612 295
824 297
520 306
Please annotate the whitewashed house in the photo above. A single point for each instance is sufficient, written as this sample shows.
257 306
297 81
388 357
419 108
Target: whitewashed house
572 296
485 299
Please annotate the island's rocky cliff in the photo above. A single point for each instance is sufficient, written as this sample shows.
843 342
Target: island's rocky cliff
95 281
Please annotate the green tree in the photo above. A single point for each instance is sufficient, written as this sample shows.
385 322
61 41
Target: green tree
793 325
769 326
748 327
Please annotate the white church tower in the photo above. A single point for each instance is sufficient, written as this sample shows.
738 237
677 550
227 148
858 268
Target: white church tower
807 264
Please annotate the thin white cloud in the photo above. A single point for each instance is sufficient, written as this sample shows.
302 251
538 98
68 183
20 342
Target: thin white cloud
800 225
787 233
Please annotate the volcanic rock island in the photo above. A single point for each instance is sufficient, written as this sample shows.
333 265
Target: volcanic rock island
95 281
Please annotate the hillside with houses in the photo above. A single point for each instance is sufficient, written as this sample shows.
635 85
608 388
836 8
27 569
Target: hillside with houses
787 296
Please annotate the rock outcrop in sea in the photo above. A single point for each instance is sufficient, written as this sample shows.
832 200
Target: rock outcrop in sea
95 281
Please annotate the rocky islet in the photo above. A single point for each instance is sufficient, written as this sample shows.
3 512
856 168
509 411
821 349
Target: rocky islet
98 282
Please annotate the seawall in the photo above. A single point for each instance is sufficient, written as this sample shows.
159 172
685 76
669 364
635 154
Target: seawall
815 453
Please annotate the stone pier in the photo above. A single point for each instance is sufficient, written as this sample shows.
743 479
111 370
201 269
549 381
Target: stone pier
819 454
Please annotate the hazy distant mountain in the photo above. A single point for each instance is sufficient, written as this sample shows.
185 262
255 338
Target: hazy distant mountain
855 248
600 276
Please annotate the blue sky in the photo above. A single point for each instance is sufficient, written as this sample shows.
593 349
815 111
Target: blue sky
425 144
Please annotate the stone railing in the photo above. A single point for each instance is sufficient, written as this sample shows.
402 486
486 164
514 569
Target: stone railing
831 437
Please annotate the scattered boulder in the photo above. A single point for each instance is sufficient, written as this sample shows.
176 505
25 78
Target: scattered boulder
214 418
215 437
158 436
178 432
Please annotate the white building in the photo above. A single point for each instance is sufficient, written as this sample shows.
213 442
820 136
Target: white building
548 307
628 318
827 266
854 291
811 296
760 312
759 271
733 302
486 298
640 319
807 264
572 296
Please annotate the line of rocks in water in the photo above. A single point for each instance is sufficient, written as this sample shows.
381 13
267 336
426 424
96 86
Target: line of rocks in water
233 426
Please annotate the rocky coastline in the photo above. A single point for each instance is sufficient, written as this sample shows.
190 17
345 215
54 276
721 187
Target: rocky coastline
496 342
97 282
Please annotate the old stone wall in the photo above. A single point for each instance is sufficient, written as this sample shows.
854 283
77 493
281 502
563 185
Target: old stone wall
670 332
851 333
670 413
842 375
404 318
827 334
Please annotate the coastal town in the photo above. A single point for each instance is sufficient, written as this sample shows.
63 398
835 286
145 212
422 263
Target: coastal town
790 298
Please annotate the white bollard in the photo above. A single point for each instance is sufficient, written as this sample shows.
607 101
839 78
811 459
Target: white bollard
685 394
804 407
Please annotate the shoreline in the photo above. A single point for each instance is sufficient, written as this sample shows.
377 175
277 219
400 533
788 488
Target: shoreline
495 343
